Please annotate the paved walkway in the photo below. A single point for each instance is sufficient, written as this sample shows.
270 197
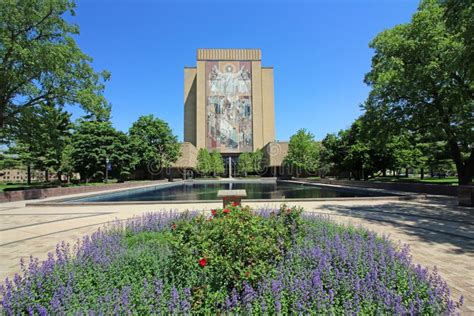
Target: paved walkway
439 233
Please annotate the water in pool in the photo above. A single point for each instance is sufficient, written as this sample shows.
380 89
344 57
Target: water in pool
203 190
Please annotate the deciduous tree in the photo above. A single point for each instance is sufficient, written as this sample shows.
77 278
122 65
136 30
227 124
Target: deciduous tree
217 163
303 152
422 79
204 162
154 143
93 142
40 61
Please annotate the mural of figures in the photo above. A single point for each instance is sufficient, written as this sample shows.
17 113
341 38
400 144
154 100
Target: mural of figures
229 106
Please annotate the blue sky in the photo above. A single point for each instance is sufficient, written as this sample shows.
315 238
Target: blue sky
319 50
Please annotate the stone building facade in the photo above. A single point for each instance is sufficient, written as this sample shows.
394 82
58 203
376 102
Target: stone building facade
229 107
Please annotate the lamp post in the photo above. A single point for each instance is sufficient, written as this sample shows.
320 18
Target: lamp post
106 169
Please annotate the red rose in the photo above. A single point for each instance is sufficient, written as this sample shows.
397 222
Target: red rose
213 212
173 227
202 262
235 204
226 211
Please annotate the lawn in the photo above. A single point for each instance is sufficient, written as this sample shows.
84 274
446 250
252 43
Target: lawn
232 261
24 186
430 180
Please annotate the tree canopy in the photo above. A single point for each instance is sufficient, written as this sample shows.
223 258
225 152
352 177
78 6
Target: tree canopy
95 142
303 152
204 162
217 165
40 61
154 144
422 81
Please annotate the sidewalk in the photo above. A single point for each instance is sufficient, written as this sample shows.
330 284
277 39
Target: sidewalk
439 232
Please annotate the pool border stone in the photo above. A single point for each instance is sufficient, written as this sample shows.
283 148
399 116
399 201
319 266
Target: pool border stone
390 195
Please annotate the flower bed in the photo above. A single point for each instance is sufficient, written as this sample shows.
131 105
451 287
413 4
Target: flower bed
235 260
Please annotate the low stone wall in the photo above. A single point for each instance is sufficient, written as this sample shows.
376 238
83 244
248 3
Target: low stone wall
435 189
32 194
466 195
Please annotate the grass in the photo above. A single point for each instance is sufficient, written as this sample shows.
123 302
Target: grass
24 186
429 180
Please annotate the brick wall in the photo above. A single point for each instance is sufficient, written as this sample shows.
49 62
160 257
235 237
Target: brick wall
32 194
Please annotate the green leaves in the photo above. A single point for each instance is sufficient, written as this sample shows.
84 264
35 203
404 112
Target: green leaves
250 162
40 61
238 246
303 152
209 163
217 165
153 142
92 143
422 78
204 162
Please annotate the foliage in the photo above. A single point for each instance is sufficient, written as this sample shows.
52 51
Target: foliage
168 263
367 148
39 136
217 165
40 61
347 152
245 163
250 162
67 164
303 152
153 142
257 161
209 163
204 162
92 143
421 78
236 246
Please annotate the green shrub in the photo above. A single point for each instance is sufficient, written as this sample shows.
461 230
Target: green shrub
214 254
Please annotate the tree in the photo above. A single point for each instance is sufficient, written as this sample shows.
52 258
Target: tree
303 152
57 126
257 161
217 163
38 137
93 142
40 61
154 143
245 164
204 162
421 80
67 163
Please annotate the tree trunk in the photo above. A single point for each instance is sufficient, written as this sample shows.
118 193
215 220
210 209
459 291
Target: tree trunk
384 172
406 172
465 169
365 175
28 177
422 173
46 175
59 176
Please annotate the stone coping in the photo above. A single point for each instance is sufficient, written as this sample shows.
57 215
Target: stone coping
426 188
391 195
237 193
35 194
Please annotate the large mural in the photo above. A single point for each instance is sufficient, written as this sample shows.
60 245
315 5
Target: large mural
229 106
